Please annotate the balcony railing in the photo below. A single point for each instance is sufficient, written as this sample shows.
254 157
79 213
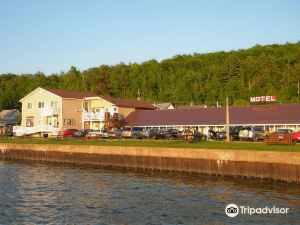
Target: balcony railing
50 111
88 115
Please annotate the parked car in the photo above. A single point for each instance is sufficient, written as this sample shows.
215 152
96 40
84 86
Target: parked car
251 134
199 136
115 133
104 133
296 136
132 132
233 132
81 133
211 135
281 136
169 134
150 134
66 133
93 134
285 131
221 135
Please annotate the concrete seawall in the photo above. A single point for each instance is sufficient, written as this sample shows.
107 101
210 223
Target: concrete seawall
281 166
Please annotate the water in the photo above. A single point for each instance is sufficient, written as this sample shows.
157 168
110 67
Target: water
40 193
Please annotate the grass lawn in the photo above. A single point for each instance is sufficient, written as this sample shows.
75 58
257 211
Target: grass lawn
259 146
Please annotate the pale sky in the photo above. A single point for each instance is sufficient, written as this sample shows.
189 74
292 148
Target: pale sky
52 35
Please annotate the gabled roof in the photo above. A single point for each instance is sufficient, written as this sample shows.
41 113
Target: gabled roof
9 115
163 106
131 103
70 94
138 104
263 114
62 93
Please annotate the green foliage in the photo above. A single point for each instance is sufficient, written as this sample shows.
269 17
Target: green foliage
197 78
241 102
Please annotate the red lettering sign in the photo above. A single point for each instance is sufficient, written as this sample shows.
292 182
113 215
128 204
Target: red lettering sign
263 99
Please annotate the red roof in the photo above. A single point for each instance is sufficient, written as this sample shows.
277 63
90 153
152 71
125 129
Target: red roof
70 94
131 103
263 114
117 101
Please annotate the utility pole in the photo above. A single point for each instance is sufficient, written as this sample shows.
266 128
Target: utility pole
227 121
298 90
138 95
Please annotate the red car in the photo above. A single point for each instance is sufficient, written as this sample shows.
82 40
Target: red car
281 136
66 133
296 136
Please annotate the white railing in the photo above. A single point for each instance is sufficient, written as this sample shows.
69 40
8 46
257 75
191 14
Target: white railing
50 111
20 131
93 116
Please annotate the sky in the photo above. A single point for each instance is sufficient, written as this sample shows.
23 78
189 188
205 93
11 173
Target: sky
50 36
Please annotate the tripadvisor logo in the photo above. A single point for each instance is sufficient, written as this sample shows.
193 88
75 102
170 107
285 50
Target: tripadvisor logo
232 210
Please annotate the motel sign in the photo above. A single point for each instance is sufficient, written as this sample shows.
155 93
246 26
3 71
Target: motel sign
263 99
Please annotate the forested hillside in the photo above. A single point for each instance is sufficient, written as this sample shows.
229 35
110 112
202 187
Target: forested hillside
197 78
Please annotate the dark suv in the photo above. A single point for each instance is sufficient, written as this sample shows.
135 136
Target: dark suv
169 134
233 132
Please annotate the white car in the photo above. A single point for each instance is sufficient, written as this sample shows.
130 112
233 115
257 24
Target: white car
98 134
94 134
251 134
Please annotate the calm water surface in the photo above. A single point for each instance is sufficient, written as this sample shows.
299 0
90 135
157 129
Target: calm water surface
40 193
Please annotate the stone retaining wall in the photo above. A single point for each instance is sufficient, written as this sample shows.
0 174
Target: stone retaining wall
282 166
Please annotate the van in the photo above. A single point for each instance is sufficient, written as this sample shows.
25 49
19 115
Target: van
132 132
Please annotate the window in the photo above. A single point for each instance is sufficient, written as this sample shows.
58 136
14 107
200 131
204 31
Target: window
54 104
115 109
137 129
41 105
29 106
86 106
29 122
69 122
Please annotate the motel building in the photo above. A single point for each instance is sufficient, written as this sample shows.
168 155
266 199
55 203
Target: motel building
269 117
46 110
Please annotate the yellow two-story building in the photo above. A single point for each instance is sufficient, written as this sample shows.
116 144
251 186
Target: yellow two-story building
94 109
50 110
